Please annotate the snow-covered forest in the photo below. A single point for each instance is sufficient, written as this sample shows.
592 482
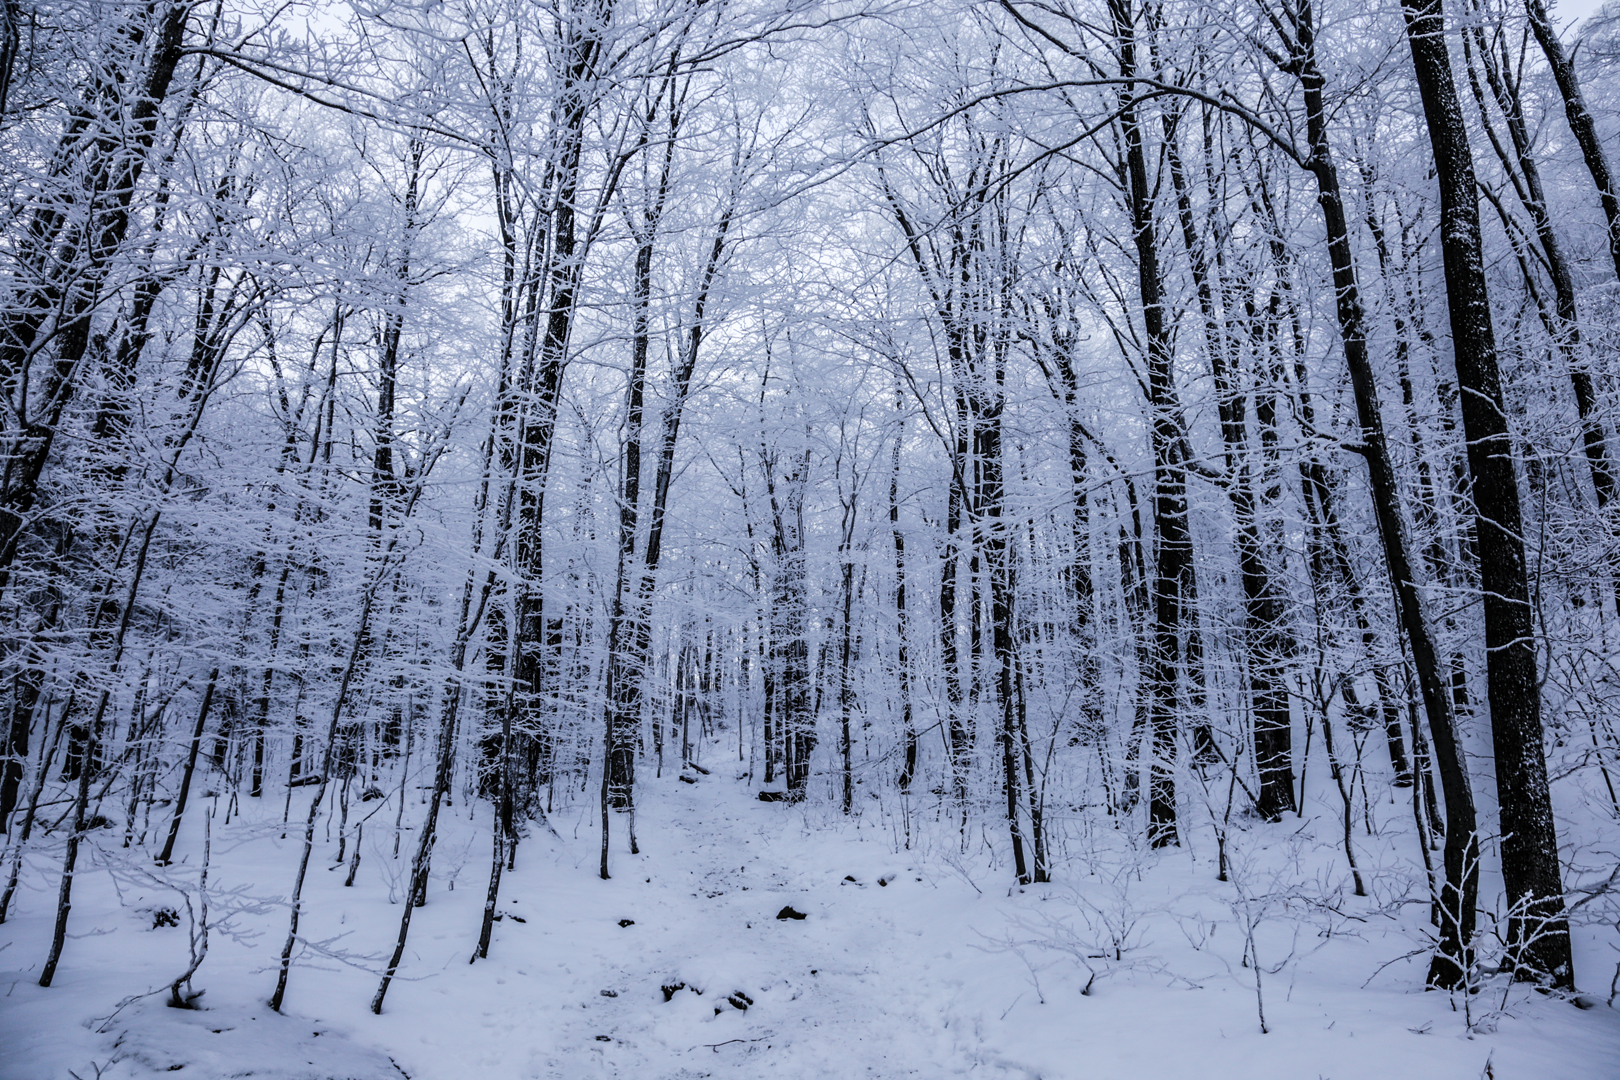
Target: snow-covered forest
809 538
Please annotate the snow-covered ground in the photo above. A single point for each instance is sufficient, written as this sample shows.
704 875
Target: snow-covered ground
918 962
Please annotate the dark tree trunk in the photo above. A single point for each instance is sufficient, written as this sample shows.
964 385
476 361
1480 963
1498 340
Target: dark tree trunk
908 765
548 322
1022 812
86 768
1174 547
627 631
636 627
1054 350
1451 964
790 624
1538 930
386 488
27 682
957 738
846 654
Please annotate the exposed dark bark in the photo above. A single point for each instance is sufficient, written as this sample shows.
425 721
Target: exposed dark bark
1538 931
963 265
635 635
386 487
958 733
790 617
908 765
1022 805
384 570
846 648
1054 348
19 842
27 684
1451 964
625 623
1173 565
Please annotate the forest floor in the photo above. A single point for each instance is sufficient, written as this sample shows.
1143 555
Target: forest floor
909 962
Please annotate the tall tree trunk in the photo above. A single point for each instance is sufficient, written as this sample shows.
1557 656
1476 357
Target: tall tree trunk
1452 962
1538 929
625 623
790 622
958 740
846 652
1054 350
1174 548
908 765
1014 734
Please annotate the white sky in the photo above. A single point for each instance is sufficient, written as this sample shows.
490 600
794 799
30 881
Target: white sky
1568 11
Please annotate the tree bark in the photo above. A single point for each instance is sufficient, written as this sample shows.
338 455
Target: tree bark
1451 964
908 766
1538 929
1174 548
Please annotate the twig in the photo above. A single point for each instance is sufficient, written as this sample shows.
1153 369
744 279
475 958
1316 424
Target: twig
716 1046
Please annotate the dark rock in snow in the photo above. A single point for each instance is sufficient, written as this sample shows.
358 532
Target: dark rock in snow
773 796
789 913
671 989
627 922
609 993
688 779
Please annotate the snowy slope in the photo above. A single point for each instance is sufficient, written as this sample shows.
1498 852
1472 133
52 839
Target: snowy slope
908 963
